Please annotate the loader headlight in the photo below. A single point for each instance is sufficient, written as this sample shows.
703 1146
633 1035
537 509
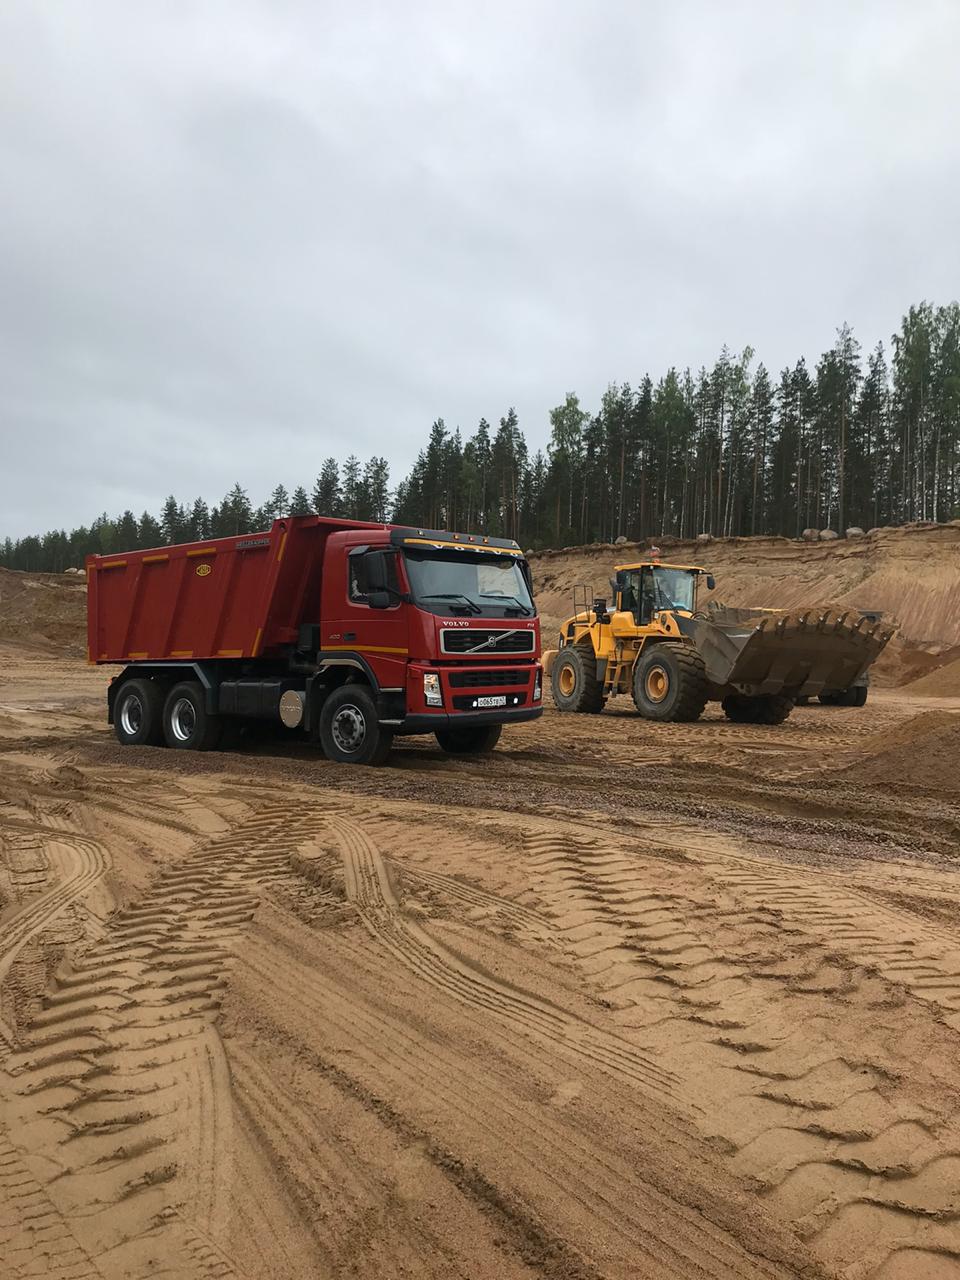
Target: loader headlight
536 686
432 693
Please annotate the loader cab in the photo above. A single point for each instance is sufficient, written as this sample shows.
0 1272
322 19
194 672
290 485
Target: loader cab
647 589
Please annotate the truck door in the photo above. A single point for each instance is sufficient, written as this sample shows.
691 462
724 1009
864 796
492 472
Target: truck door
379 635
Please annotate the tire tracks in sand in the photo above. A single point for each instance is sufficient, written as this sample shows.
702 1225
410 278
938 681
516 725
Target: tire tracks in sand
120 1088
369 888
781 999
572 1201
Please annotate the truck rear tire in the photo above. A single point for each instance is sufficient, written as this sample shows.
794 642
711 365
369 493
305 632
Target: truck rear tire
574 681
670 683
138 714
767 708
187 725
469 742
350 732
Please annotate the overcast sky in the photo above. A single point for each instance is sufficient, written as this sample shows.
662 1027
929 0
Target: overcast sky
237 237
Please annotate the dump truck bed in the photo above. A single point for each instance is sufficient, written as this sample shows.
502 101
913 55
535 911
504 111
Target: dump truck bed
239 597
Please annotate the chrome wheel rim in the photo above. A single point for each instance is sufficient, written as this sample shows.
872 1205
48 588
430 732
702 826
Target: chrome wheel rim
131 715
349 728
183 719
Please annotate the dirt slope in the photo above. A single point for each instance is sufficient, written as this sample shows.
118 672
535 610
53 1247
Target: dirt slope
943 682
45 612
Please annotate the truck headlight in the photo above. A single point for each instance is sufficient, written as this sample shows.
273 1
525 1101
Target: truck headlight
432 693
536 686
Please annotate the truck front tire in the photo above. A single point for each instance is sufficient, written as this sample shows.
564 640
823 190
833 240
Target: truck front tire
350 732
187 725
469 742
138 714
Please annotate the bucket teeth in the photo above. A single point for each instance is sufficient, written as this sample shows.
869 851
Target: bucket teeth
795 649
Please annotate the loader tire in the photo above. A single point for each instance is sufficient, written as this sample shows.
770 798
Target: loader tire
670 683
574 681
855 696
768 708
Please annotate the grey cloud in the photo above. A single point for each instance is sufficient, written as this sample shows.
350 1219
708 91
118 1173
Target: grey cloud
237 237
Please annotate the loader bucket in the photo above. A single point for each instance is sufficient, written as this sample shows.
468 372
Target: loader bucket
798 653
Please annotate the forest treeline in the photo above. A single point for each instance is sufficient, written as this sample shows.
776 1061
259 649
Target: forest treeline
859 439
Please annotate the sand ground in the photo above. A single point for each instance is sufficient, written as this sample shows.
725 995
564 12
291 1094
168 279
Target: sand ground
620 1000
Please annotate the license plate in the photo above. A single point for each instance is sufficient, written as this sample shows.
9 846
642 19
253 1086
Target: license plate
493 700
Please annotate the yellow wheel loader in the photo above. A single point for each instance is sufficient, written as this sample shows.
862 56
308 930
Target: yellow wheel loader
655 643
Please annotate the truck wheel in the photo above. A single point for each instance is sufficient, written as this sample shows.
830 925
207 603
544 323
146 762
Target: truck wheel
187 725
574 681
138 714
349 730
768 708
469 742
830 699
670 683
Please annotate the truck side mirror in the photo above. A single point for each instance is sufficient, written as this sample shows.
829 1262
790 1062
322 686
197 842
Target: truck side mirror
375 569
711 582
378 599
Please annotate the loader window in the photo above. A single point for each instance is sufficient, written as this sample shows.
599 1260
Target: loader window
647 591
674 589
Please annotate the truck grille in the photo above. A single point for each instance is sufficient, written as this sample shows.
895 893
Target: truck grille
487 679
467 702
499 641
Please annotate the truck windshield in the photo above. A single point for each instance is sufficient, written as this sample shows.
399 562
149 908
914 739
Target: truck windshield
468 582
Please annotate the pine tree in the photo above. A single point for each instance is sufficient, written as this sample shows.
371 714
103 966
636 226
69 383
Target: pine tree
352 487
376 485
199 521
128 534
327 493
762 406
279 503
565 450
151 534
172 520
300 502
235 514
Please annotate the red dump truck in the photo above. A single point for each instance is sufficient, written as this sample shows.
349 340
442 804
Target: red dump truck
346 632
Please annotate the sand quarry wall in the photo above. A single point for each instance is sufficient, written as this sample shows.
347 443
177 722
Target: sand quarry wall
912 574
43 612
